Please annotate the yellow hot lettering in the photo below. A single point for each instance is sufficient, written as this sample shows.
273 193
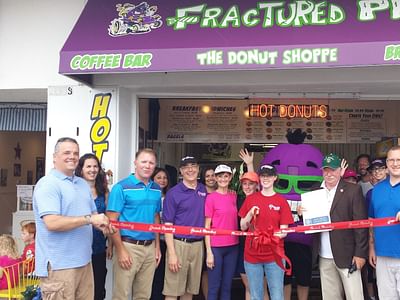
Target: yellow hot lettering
100 130
102 124
100 105
99 149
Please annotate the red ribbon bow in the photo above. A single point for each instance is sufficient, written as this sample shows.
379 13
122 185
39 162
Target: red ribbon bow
266 239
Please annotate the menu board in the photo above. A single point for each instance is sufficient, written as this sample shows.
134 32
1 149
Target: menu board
234 121
364 124
317 130
201 121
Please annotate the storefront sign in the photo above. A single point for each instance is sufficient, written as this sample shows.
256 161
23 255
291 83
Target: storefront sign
231 121
157 35
278 13
288 111
101 126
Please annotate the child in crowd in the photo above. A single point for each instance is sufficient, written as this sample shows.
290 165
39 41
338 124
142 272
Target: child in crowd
8 256
28 233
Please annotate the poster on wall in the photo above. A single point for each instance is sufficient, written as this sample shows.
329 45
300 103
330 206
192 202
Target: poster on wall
40 167
24 195
17 170
3 177
268 120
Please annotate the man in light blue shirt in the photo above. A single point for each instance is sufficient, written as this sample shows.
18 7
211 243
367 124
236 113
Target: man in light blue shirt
64 214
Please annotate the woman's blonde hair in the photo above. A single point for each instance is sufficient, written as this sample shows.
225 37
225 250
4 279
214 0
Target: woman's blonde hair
8 246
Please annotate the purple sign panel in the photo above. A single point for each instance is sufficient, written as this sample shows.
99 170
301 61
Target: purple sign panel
112 36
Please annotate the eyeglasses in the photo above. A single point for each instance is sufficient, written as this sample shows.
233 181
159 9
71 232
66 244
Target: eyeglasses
300 184
190 167
391 161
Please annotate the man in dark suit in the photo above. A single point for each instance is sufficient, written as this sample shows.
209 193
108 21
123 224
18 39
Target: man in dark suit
342 252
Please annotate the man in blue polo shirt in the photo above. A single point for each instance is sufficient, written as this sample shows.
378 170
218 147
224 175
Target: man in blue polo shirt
384 242
184 205
64 212
136 199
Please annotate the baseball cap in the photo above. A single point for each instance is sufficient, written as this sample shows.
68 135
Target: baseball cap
252 176
377 163
349 173
188 160
331 161
222 169
267 170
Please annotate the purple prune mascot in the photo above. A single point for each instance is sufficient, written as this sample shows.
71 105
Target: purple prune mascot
299 170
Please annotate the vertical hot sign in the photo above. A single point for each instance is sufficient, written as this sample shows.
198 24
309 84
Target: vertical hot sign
102 125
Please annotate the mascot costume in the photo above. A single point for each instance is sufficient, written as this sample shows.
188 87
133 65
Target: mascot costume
299 171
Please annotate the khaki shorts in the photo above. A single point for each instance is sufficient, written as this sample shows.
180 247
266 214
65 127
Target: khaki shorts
388 277
187 280
76 283
139 278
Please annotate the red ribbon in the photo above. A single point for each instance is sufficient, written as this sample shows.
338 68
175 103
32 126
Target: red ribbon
344 225
261 237
162 228
267 239
187 230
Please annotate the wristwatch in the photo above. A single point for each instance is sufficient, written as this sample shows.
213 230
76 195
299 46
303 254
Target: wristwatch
88 219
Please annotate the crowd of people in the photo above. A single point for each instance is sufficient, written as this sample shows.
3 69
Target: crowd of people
73 208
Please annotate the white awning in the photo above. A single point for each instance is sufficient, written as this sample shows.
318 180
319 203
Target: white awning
23 117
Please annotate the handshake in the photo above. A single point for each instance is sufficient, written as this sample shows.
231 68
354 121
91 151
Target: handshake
101 222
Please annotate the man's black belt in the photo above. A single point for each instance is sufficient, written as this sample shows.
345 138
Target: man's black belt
187 240
136 242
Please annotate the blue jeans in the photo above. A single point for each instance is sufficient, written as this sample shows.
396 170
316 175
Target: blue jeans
274 275
220 277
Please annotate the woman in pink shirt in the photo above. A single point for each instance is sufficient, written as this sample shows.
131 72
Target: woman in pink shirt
222 251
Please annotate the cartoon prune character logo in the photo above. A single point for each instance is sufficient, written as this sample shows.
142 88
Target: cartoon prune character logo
135 19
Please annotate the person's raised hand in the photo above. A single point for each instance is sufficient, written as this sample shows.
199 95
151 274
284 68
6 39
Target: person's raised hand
343 167
246 156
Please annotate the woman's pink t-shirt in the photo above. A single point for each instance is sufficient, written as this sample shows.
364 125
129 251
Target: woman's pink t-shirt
222 210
